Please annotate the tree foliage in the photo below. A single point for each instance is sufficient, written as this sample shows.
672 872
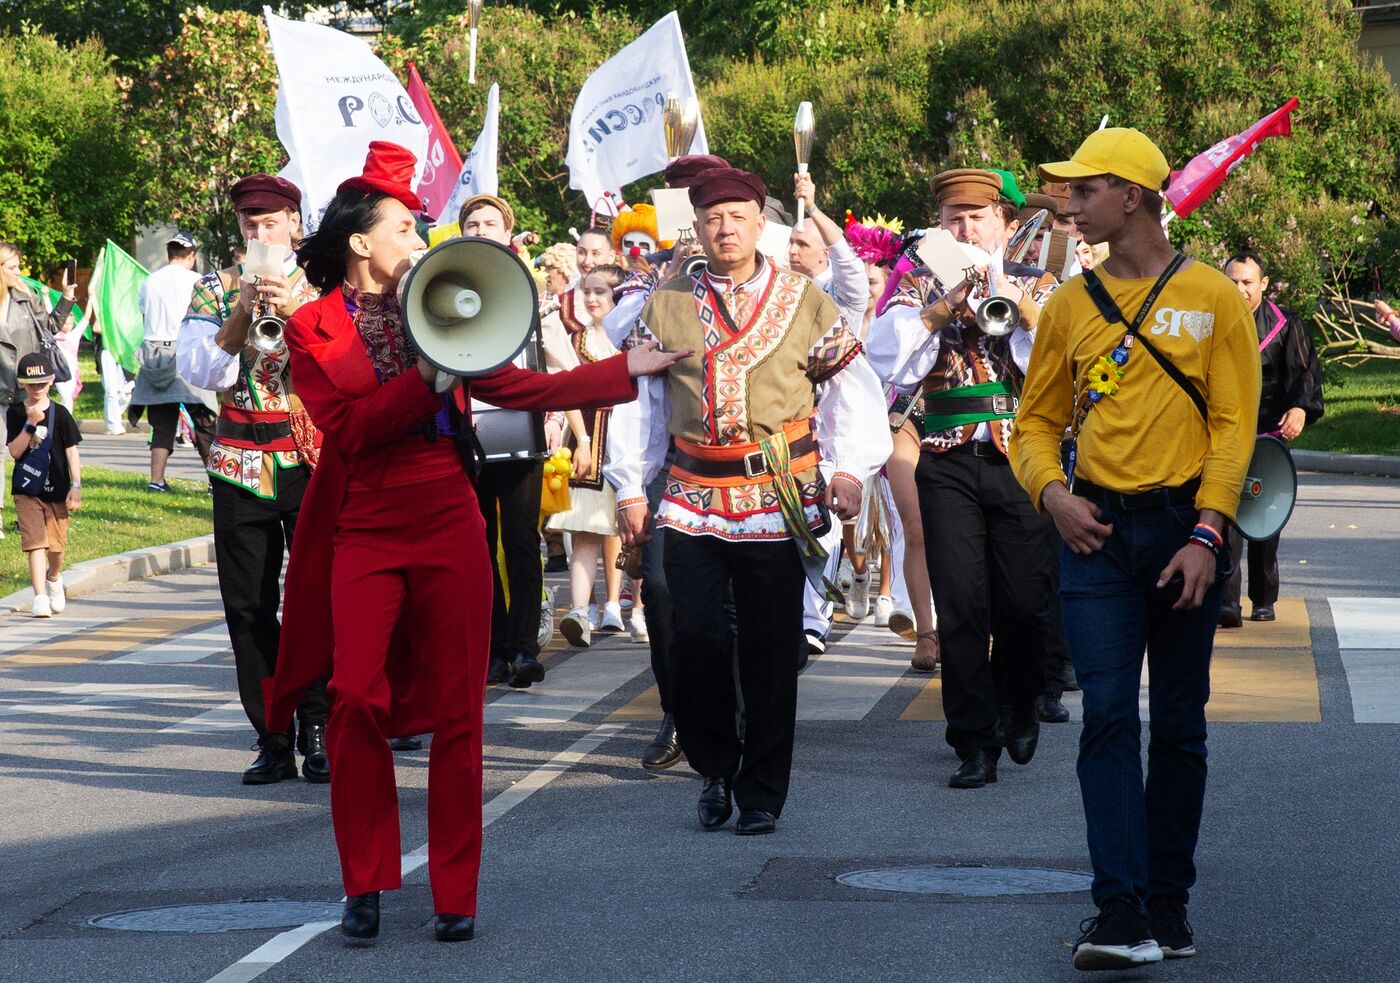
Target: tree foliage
203 118
68 174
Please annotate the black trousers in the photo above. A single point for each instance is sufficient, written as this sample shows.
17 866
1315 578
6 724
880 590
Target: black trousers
250 536
656 598
767 581
1057 665
512 490
1263 570
989 564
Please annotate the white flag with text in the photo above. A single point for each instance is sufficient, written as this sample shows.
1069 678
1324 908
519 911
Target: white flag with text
479 174
615 132
334 98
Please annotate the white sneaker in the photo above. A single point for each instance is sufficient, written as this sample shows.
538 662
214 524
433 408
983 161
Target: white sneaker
640 635
58 600
884 607
42 608
612 618
116 431
858 597
577 629
546 631
592 616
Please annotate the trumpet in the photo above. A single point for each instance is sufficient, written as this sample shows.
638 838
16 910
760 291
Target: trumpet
996 316
265 333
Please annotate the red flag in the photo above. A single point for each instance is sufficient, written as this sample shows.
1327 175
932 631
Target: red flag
1198 180
443 164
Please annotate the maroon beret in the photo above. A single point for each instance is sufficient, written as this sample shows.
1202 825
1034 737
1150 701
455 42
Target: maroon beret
265 193
680 173
726 184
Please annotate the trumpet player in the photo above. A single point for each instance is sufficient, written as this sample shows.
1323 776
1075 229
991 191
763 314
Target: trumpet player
264 450
987 550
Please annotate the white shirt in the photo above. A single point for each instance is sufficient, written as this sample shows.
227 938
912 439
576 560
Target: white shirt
164 298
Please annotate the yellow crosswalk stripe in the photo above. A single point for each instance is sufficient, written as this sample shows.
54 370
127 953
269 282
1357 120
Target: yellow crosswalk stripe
647 706
1264 671
927 704
110 640
1291 630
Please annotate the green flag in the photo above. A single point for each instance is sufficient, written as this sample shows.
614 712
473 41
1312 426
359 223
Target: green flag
114 294
51 295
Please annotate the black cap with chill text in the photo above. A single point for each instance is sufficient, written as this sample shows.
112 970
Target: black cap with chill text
34 367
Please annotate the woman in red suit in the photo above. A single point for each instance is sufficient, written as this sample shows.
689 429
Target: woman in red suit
389 582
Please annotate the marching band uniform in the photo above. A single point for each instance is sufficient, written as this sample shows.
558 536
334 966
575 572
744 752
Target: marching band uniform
390 582
988 551
264 450
744 497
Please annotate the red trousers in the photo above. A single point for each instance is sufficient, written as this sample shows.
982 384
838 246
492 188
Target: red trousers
417 552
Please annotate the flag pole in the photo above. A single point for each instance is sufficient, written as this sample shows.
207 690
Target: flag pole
473 22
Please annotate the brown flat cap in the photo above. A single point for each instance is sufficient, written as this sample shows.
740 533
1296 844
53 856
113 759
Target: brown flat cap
967 186
476 201
1057 190
265 193
680 173
1036 202
726 184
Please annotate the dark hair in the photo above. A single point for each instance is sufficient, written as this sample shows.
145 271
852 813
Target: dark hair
174 251
1246 254
1151 200
611 273
322 254
596 232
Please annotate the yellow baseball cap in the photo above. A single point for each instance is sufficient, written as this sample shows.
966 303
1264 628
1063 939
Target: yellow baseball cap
1118 150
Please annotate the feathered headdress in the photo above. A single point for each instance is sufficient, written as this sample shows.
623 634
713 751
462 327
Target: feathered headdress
875 240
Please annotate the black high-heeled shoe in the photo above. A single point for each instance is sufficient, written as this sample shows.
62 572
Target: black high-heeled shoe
454 928
360 919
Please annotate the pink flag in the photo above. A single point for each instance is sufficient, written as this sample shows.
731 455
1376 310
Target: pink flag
1198 180
443 162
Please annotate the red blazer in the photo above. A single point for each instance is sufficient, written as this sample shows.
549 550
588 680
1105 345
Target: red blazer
362 420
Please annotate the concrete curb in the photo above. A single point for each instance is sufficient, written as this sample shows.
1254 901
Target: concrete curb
91 576
1329 463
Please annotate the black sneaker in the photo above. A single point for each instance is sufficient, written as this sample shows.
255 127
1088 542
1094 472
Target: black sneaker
1170 928
1117 938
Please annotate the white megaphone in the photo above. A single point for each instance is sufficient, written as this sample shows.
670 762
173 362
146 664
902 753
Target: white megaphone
469 306
1270 490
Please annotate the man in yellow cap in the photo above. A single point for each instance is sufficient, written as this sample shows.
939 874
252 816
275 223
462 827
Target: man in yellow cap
989 553
1151 361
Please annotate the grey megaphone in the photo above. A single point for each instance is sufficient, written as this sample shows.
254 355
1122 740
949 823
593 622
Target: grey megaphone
469 306
1270 491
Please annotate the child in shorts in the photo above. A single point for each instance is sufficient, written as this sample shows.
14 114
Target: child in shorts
42 438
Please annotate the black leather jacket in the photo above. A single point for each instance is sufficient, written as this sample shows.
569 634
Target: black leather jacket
24 331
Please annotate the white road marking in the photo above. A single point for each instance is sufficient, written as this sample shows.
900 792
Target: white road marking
277 949
1366 622
846 682
230 716
589 677
195 646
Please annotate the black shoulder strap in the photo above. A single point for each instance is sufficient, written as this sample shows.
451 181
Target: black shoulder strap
1099 294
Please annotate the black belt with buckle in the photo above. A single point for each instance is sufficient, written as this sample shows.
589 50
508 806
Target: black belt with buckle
751 465
1157 498
999 404
980 448
262 432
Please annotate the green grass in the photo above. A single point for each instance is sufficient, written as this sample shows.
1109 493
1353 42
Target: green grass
1362 411
118 514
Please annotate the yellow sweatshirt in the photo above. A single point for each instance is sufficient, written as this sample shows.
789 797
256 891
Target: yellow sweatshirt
1149 434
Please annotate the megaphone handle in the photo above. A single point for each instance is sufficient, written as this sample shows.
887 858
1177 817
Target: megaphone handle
445 383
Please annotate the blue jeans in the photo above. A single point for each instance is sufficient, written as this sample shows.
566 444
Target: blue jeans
1142 843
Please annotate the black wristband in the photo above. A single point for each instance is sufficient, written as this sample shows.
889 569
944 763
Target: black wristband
30 428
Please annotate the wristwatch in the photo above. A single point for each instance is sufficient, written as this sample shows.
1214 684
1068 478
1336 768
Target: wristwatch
75 485
30 428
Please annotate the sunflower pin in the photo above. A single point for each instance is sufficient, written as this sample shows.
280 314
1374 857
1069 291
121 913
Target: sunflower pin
1103 378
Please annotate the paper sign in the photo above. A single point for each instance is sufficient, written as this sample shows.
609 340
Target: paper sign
773 243
949 259
674 215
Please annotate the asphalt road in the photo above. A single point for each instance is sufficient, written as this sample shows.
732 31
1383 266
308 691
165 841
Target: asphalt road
120 750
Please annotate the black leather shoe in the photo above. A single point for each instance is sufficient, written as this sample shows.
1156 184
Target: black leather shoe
1230 616
412 743
525 670
275 762
755 822
1051 710
1262 612
454 928
360 919
665 748
716 803
978 768
1022 735
497 672
315 767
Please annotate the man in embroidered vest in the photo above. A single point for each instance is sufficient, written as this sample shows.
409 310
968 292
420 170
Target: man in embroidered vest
753 485
1291 398
264 449
1152 362
988 552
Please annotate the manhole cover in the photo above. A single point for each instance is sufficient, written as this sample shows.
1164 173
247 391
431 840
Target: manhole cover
224 916
968 881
